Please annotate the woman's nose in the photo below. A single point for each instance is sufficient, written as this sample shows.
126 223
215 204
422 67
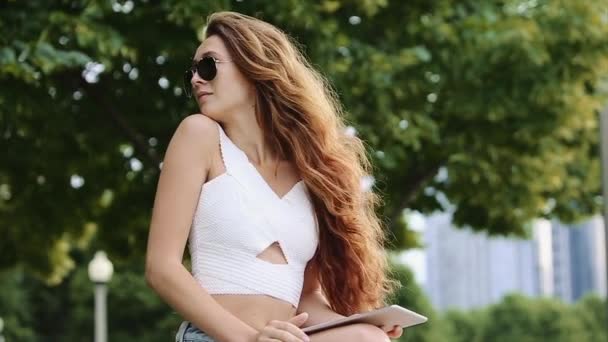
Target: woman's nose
196 78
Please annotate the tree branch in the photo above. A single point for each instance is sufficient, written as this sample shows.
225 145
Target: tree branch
133 135
415 181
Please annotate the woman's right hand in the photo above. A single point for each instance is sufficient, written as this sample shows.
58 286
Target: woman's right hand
284 331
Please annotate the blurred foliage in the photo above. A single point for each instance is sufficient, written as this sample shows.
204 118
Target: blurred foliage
411 296
487 106
519 318
15 310
591 311
463 326
34 311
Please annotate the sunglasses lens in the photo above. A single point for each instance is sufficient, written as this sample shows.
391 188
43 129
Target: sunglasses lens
187 85
206 68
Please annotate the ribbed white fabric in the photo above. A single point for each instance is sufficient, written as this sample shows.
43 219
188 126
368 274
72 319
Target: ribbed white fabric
237 217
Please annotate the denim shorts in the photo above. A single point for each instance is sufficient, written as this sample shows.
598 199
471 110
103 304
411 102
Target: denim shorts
189 333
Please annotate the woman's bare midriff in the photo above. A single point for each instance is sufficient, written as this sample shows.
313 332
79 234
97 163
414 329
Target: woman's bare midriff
256 310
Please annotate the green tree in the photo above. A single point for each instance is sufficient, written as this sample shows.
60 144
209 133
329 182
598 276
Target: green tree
518 318
488 105
34 311
591 310
14 309
411 296
463 326
135 312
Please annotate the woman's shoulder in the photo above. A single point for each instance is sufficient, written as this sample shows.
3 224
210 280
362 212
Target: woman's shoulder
200 130
194 140
198 123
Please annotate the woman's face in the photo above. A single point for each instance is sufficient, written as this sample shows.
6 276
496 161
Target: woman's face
229 92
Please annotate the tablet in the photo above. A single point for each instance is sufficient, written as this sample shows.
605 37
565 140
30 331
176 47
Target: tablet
389 316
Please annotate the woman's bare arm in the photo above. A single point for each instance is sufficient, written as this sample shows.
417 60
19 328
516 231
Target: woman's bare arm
313 301
184 170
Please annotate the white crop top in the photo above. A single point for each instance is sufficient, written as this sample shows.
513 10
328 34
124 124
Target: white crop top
238 216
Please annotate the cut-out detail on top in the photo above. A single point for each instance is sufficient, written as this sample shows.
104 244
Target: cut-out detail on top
273 254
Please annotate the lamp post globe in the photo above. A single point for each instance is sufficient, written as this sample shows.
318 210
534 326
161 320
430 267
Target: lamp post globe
100 273
100 268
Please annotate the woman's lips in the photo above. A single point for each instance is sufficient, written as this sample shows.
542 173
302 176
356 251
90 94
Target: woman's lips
203 96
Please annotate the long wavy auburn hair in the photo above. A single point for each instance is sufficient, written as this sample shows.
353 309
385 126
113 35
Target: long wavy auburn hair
302 121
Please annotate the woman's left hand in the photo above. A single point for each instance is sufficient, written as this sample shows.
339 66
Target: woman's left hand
395 331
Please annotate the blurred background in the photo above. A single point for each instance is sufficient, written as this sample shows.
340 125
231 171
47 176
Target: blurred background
482 118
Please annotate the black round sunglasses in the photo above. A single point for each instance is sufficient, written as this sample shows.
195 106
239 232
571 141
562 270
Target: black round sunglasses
206 69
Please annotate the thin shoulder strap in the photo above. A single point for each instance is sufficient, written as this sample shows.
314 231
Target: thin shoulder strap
231 155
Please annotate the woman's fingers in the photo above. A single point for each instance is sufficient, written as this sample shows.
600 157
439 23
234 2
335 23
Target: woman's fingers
284 331
291 329
394 332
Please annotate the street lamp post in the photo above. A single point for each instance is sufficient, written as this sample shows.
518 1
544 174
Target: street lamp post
1 328
100 273
604 162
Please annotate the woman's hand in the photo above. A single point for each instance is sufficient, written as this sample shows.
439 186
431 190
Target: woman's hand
284 331
395 331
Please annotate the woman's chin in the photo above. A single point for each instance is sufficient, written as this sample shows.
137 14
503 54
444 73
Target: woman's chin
207 113
213 111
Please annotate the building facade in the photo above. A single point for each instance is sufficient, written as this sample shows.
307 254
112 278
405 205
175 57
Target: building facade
466 269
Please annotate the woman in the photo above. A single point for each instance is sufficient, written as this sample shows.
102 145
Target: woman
265 188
